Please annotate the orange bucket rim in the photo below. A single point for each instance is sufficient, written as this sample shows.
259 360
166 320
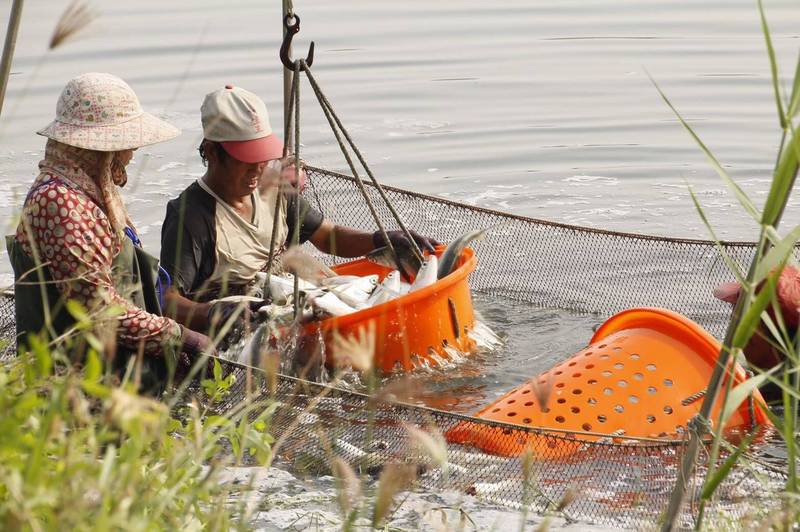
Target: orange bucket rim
468 265
647 317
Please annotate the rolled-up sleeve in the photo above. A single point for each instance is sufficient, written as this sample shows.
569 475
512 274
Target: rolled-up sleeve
310 219
180 255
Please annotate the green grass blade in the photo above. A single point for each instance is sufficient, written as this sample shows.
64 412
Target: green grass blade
772 416
789 423
794 100
782 182
773 66
732 266
743 199
786 388
721 473
739 393
752 317
777 256
776 330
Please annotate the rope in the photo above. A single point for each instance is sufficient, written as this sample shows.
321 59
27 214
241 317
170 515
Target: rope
694 397
359 182
325 103
751 406
296 232
279 195
699 426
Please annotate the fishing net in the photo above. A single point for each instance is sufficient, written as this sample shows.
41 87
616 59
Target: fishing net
616 481
554 265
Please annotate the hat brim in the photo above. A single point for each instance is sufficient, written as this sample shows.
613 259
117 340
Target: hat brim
143 130
256 150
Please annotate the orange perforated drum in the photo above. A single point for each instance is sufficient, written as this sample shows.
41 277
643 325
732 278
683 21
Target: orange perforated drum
412 330
644 374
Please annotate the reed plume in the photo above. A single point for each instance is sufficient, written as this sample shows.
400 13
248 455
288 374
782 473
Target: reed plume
75 18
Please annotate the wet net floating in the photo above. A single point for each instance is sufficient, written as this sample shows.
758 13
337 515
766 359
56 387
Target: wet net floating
617 480
553 265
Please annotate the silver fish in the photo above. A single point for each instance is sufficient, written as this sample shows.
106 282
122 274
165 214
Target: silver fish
365 284
351 294
248 354
426 275
351 289
348 449
299 262
243 299
387 290
404 288
281 288
448 261
409 264
332 305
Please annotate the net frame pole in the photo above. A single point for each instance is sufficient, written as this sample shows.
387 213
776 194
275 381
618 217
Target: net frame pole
288 75
296 214
8 48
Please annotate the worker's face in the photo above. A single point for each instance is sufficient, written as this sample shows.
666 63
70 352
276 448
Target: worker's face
241 179
244 178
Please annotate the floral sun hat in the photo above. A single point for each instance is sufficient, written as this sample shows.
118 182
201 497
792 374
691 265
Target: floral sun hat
101 112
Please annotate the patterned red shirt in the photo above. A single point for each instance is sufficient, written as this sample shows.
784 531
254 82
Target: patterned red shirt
75 239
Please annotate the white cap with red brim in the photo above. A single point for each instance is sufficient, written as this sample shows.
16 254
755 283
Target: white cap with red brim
238 119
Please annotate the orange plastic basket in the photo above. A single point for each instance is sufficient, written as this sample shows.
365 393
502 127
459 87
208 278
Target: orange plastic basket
643 375
411 330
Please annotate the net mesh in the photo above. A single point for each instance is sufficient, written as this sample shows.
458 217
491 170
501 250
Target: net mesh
550 264
615 481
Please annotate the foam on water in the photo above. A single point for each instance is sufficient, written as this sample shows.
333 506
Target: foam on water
280 499
484 337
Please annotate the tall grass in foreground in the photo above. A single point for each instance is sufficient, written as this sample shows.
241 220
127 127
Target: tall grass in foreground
757 311
79 450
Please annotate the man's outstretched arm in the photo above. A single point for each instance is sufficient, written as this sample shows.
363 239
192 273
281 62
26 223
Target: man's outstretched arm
342 241
348 242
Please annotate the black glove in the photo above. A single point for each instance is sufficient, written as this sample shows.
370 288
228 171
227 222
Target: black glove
194 343
398 239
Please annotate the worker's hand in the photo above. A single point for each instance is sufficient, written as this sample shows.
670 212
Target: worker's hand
298 182
728 292
246 312
398 239
195 343
281 171
284 169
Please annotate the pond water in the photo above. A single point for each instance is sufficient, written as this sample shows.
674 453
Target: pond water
544 110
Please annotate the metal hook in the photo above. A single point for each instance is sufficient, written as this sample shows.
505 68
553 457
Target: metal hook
291 29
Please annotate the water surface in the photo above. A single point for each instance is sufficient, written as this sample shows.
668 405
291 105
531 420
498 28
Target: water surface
544 110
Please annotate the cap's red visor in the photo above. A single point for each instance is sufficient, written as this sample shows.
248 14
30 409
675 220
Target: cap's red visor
256 150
